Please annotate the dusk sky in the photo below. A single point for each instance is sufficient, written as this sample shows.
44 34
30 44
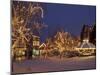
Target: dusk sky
68 17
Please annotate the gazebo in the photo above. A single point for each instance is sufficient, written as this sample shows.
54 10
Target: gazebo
86 48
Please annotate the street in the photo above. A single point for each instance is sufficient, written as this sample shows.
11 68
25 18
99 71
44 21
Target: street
54 64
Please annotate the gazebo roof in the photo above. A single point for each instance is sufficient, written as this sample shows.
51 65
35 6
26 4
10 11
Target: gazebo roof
86 44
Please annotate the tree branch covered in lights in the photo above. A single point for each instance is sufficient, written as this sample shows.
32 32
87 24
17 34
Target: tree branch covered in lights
24 15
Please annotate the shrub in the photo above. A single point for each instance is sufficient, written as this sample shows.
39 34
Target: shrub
70 53
54 53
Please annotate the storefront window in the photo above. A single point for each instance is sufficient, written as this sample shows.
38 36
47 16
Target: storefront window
35 52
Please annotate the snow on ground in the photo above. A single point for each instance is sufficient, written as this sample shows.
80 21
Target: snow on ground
54 64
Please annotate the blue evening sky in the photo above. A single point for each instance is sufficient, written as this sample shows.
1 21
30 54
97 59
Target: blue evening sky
68 17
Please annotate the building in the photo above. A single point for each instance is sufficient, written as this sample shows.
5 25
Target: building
18 49
86 31
36 44
42 49
93 35
36 41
